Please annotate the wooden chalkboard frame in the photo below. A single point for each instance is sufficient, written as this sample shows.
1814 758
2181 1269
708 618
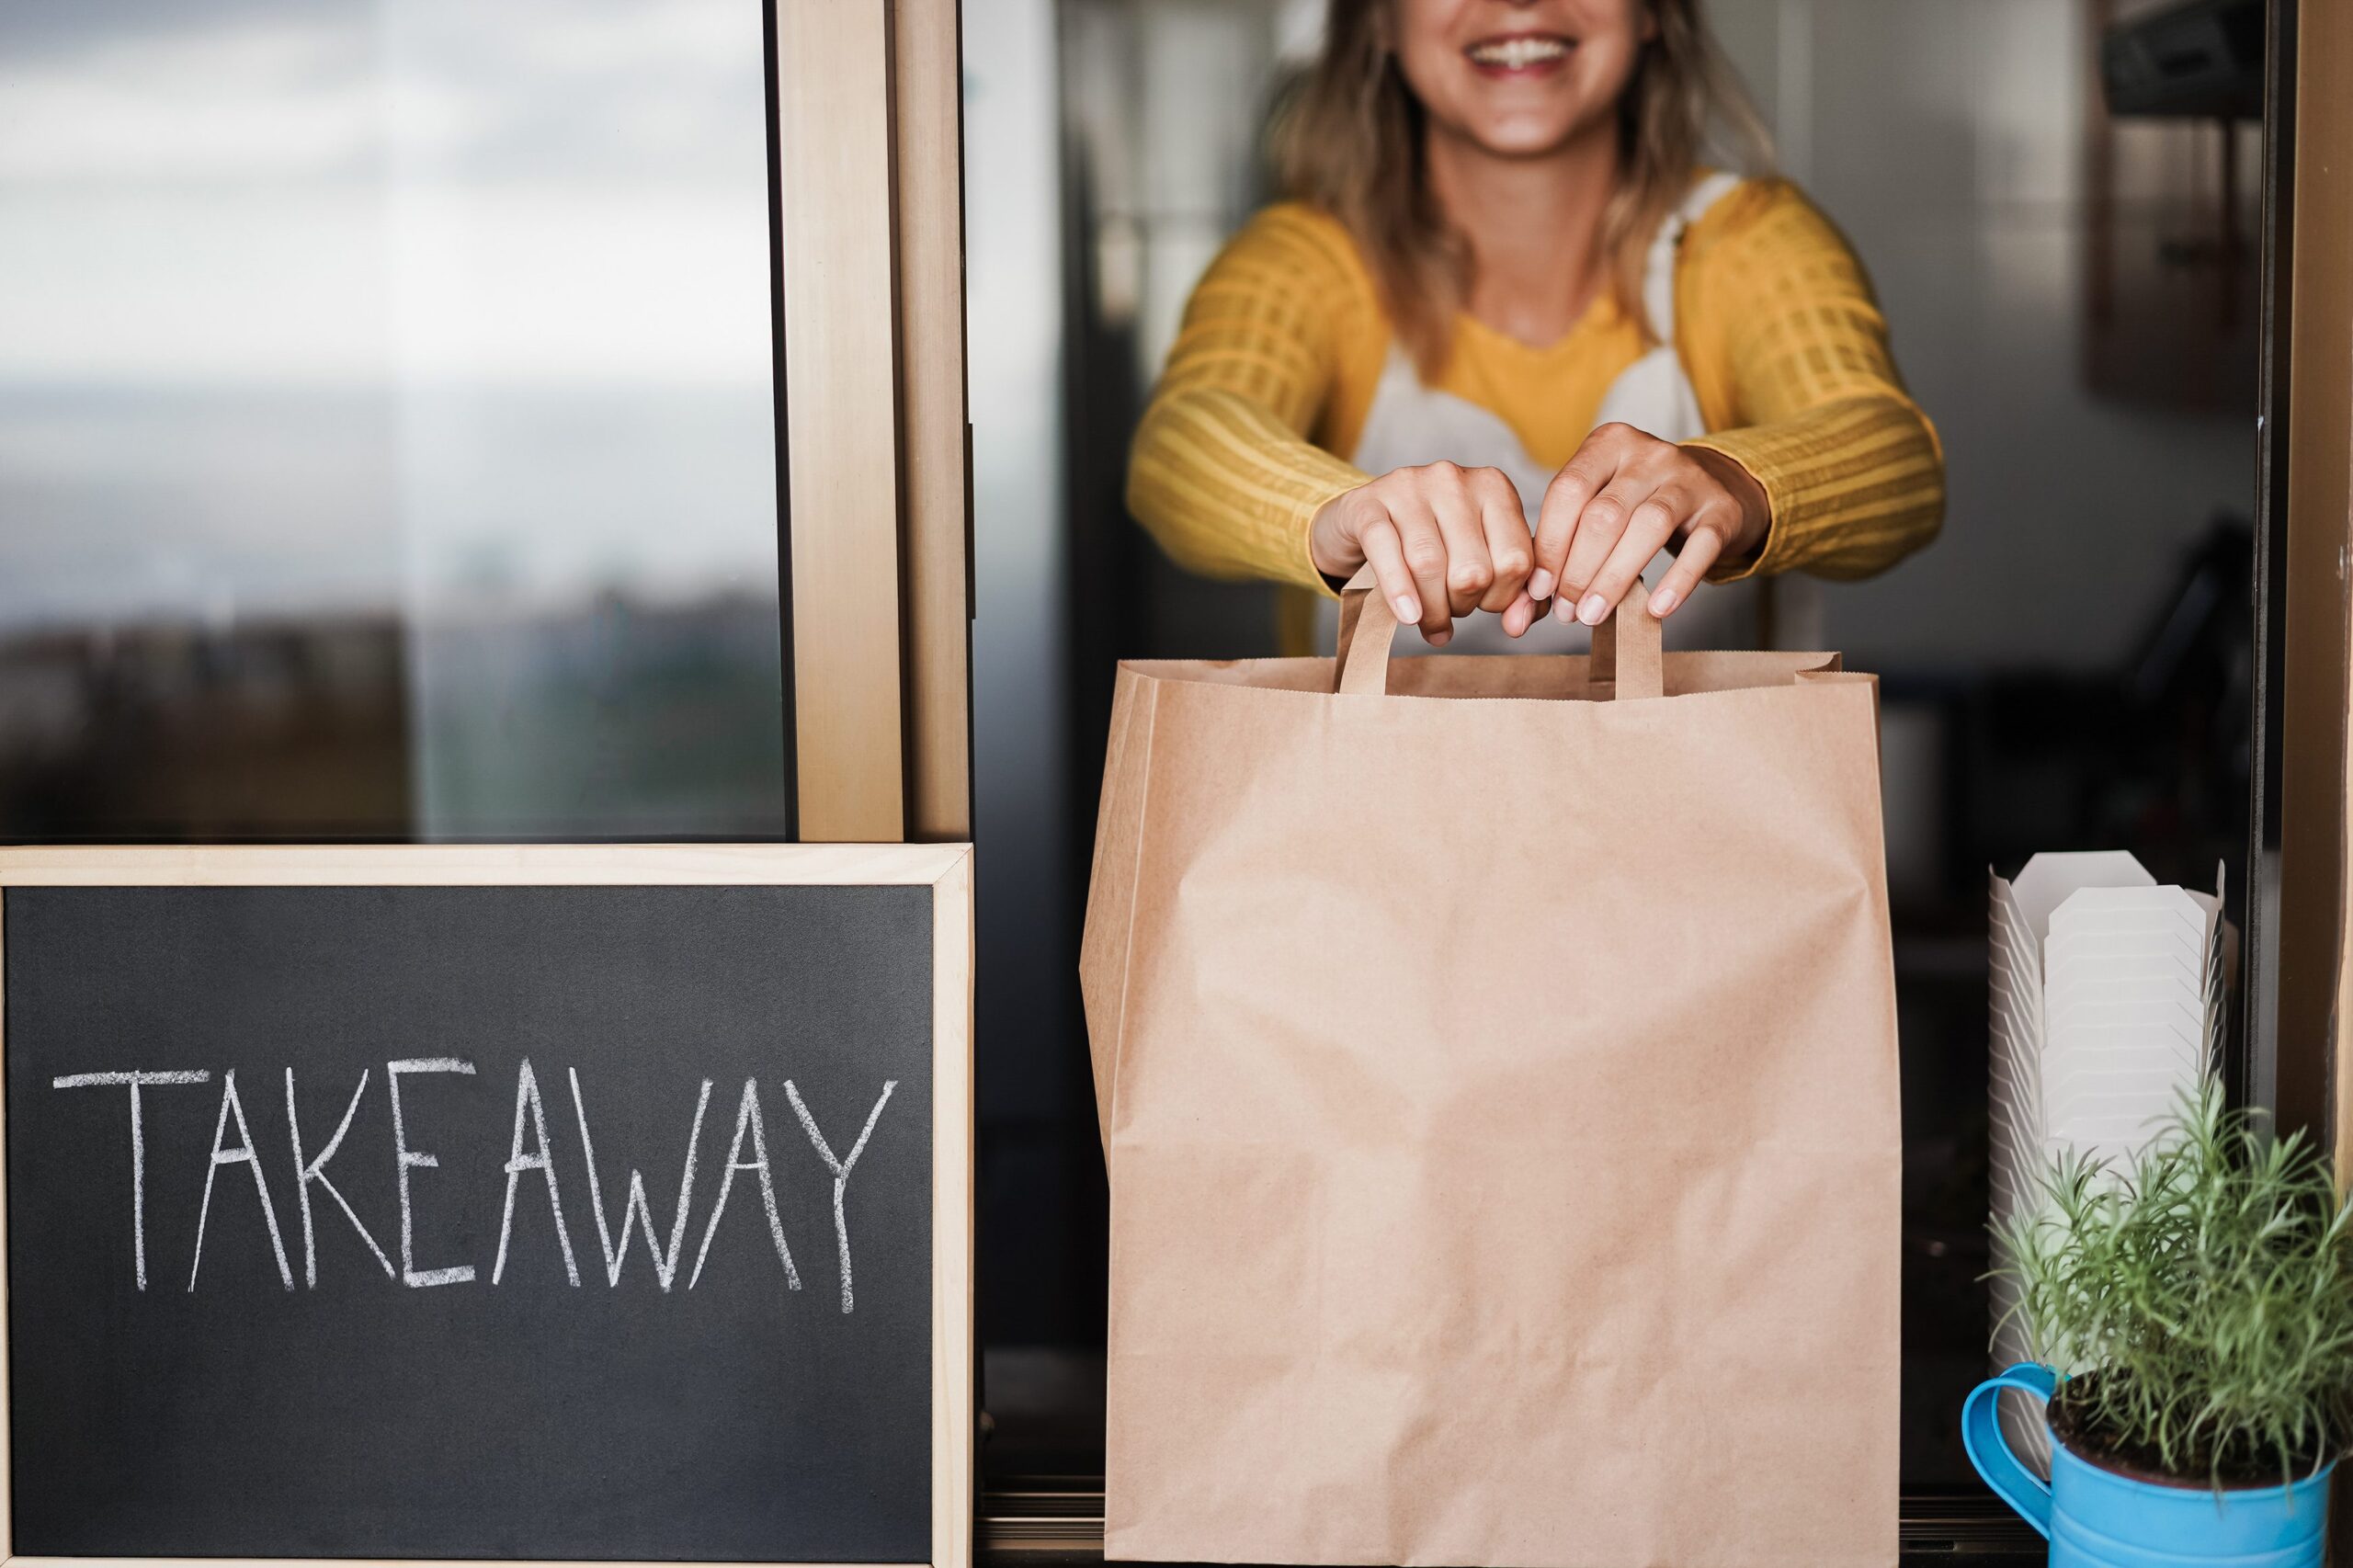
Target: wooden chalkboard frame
945 868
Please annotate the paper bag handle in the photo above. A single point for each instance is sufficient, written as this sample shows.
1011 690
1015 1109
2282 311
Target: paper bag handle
1626 652
1626 649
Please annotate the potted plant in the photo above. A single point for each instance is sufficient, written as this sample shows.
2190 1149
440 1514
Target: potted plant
2191 1314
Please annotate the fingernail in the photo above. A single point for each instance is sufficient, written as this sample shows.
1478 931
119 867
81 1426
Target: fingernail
1540 586
1564 612
1593 609
1662 602
1441 636
1408 611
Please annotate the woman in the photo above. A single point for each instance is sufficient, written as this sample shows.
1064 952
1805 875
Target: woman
1506 290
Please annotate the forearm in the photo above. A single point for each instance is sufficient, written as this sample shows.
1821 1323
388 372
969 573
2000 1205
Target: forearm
1854 487
1229 490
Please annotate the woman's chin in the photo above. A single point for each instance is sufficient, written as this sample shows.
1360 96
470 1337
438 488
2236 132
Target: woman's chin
1522 136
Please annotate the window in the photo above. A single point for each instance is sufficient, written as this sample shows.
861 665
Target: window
388 437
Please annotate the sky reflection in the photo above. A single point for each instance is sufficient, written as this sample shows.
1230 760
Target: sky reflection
453 308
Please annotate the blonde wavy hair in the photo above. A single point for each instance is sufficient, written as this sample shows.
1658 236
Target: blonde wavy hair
1348 140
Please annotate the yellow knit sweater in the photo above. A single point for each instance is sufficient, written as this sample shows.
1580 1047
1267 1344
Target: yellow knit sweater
1283 344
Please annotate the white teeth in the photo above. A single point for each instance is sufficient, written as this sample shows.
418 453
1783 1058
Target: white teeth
1516 53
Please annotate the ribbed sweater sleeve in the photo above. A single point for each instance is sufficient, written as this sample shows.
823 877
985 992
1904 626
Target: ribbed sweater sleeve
1224 473
1817 412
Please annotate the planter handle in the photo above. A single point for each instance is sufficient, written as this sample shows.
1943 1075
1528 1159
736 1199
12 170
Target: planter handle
1981 1434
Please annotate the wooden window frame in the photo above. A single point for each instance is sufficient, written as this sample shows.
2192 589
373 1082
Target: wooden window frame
868 197
2306 583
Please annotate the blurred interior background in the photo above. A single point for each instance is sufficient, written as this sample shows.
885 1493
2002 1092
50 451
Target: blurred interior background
2072 275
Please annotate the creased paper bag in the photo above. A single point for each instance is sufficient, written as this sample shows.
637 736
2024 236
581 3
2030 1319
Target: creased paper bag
1496 1067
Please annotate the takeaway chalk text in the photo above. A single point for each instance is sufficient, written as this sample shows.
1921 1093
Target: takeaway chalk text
530 1162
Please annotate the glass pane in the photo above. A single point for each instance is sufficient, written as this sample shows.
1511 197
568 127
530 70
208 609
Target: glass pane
387 441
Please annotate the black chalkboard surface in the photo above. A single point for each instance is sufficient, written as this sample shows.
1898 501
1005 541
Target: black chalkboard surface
591 1209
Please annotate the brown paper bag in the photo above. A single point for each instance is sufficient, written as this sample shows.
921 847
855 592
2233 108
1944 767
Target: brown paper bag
1500 1104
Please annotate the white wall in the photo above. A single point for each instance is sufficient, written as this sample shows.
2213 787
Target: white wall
1946 137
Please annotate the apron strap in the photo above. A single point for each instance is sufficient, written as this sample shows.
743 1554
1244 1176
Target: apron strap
1658 270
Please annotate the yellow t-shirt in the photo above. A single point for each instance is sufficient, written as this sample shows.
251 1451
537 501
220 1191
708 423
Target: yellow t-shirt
1284 343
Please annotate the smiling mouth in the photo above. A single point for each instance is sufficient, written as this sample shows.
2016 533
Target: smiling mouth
1524 53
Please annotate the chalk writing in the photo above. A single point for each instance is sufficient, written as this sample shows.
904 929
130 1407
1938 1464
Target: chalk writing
243 1154
527 1093
137 1081
747 1116
316 1171
841 1168
406 1159
531 1152
665 1264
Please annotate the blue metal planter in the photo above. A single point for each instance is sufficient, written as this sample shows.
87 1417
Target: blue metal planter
2097 1518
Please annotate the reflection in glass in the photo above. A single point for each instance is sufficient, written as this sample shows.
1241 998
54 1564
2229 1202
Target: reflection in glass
387 444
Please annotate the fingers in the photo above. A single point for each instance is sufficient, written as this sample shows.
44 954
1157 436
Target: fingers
1509 550
1585 475
1623 498
1381 548
1442 539
1700 552
1445 540
1469 570
1601 528
1424 547
1487 547
1649 526
1521 614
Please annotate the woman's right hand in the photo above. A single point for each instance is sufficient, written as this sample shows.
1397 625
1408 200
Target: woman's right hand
1443 541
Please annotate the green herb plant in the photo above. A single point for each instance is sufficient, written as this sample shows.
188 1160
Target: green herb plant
2197 1301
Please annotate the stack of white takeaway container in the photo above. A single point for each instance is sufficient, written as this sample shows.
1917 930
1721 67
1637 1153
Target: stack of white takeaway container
2108 1007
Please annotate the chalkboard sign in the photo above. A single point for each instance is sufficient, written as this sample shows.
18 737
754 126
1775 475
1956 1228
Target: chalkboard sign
436 1203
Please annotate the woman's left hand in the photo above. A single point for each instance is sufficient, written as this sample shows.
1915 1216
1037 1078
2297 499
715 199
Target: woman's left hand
1624 497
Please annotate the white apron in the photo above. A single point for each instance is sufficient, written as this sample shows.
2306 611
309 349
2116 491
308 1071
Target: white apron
1410 425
